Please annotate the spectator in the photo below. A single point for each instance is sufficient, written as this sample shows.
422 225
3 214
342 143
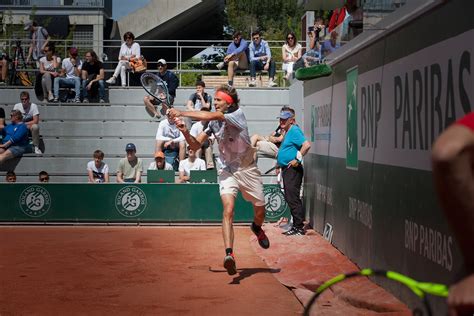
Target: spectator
268 145
289 159
39 40
172 82
199 99
238 169
160 162
237 56
15 138
70 75
188 164
30 115
169 139
97 170
3 68
130 49
313 55
93 76
291 52
49 65
197 129
10 177
43 177
330 45
453 171
261 59
130 168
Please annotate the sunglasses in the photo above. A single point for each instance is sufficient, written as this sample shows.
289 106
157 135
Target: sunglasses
45 179
256 38
161 65
290 37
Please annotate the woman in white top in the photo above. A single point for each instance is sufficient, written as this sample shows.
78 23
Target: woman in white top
291 52
130 49
191 163
49 67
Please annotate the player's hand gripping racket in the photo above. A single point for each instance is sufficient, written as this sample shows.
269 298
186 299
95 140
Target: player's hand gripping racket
158 89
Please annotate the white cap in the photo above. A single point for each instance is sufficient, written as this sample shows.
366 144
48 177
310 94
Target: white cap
162 61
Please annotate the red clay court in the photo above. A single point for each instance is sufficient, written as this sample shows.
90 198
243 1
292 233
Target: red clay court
99 270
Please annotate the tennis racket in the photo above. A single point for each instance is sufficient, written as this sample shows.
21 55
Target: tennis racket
418 288
158 89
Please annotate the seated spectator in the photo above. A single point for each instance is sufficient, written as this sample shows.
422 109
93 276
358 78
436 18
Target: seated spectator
188 164
291 52
237 57
97 170
199 99
130 168
15 138
160 162
169 139
172 82
261 59
92 76
3 69
130 49
43 177
49 65
330 45
10 177
196 129
69 76
268 145
30 115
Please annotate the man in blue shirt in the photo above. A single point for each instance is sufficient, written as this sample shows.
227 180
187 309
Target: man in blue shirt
236 56
15 138
289 159
261 59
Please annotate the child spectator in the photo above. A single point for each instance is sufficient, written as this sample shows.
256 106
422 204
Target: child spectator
130 168
10 177
97 170
30 115
43 177
199 99
188 164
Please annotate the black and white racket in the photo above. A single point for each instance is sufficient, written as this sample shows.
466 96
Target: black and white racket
157 88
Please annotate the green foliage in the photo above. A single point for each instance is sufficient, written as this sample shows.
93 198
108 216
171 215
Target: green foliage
274 17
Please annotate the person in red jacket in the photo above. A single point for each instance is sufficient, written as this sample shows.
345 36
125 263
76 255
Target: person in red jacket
453 171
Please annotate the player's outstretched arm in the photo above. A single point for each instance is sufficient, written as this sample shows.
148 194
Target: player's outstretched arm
197 115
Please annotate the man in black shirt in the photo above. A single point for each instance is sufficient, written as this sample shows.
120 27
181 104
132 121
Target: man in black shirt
172 82
92 75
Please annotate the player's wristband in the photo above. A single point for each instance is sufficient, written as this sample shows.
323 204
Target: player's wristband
467 121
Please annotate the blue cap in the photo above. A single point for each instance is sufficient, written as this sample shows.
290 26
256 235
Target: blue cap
285 115
130 146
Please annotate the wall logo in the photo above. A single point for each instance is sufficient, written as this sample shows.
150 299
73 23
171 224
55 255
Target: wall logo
35 201
130 201
352 157
275 204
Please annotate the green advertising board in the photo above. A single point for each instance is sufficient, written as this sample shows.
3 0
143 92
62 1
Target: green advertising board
128 203
352 159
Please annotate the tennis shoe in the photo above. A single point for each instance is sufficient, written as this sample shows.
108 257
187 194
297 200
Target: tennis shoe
229 264
252 83
111 80
261 237
295 232
220 65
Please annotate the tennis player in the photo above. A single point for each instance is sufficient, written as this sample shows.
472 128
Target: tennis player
238 170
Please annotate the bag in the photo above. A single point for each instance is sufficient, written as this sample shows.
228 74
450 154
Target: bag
24 79
138 64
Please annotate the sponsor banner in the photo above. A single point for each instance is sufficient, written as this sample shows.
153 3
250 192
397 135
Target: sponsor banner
402 106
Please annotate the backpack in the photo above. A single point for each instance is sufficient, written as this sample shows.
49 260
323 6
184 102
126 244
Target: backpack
23 78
